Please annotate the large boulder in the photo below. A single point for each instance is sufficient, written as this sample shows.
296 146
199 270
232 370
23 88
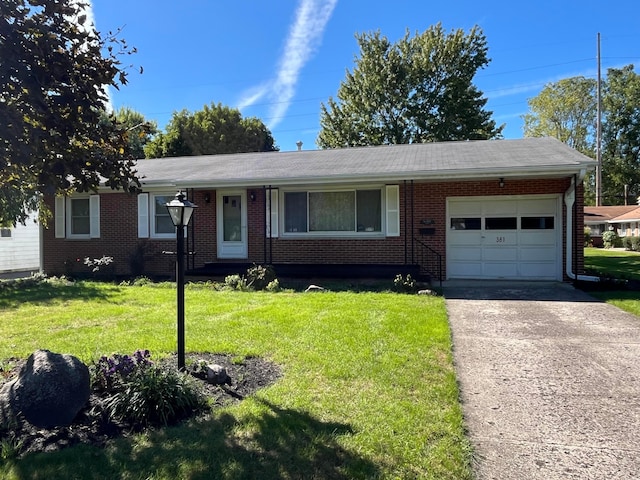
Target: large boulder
49 391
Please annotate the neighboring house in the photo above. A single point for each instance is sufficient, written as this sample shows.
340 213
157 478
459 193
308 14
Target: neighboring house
625 219
20 248
477 210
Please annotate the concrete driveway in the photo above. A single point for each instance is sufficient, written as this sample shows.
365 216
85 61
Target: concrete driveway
549 379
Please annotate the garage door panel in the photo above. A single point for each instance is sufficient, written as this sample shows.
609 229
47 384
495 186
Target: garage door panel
506 254
518 237
466 254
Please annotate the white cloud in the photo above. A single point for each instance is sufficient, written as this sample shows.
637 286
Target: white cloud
302 42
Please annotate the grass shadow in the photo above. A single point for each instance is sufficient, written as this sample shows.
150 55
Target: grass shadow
275 443
18 292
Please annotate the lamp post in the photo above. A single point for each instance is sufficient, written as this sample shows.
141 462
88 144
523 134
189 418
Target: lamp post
180 210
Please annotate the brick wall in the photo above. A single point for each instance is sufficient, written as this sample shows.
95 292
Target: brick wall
418 201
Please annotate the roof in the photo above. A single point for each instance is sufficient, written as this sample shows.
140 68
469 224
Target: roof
540 157
613 213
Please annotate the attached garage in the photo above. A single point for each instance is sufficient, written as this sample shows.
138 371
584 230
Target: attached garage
505 237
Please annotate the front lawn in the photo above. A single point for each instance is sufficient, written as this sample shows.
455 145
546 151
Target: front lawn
368 387
612 263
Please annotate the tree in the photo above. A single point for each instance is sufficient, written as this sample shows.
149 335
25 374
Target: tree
213 130
621 135
565 110
139 130
419 89
54 69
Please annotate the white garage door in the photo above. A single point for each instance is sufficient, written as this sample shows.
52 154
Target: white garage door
504 237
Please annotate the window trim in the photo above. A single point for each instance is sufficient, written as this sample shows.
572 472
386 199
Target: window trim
63 218
152 216
334 234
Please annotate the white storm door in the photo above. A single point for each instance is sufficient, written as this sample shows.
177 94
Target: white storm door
232 224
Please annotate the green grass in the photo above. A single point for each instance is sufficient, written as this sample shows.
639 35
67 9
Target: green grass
612 263
368 390
628 301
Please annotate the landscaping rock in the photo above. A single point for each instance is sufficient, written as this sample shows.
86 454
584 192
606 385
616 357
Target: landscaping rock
427 292
314 288
217 375
48 392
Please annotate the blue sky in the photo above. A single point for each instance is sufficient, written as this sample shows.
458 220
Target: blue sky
279 60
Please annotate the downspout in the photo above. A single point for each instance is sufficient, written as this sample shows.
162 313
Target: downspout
569 201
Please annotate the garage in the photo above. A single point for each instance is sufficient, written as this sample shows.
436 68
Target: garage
504 237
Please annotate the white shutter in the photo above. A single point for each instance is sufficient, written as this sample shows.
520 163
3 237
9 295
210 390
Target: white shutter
272 213
59 215
143 215
94 216
392 201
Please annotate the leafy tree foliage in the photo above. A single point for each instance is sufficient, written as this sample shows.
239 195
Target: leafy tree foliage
567 110
621 135
213 130
54 69
419 89
139 130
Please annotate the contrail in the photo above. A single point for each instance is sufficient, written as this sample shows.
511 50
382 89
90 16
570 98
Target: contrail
305 36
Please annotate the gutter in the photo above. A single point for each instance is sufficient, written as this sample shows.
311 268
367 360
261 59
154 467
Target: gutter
569 201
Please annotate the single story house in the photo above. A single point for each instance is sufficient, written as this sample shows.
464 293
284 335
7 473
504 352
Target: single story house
20 248
625 219
500 209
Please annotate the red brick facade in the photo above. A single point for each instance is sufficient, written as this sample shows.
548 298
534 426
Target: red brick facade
418 201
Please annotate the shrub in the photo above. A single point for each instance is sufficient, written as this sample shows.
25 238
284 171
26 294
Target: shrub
626 243
235 282
258 277
109 373
155 396
404 284
611 239
635 244
587 236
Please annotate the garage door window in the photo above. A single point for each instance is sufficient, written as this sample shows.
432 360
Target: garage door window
467 223
537 223
501 223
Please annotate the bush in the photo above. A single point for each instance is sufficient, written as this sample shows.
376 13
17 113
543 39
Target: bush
635 244
404 284
235 282
259 277
587 237
155 396
626 243
611 239
137 391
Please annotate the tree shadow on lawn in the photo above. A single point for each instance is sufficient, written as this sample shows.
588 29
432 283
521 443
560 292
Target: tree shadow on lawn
14 294
285 444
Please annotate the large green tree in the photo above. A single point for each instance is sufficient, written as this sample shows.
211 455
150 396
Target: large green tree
213 130
419 89
140 131
621 135
54 71
567 110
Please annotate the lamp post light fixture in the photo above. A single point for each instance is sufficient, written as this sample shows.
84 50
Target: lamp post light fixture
180 210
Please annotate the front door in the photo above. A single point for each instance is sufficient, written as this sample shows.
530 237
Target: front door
232 224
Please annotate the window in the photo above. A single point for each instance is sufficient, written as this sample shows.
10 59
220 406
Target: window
537 223
5 233
467 223
77 217
340 211
501 223
162 224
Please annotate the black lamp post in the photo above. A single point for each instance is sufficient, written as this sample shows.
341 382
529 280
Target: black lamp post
180 210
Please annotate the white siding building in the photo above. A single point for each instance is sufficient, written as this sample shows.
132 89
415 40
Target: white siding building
20 248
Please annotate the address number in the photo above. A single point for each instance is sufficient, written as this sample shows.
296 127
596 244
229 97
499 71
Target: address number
501 239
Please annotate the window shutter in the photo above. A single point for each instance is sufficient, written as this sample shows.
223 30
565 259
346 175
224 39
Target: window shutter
59 215
94 216
143 215
392 200
272 213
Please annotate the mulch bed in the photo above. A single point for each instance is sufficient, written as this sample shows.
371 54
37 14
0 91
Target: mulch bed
247 376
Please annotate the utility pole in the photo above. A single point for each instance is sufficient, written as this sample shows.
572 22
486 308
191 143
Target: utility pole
599 135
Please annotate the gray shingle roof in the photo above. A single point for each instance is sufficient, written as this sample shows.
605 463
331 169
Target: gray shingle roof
540 157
